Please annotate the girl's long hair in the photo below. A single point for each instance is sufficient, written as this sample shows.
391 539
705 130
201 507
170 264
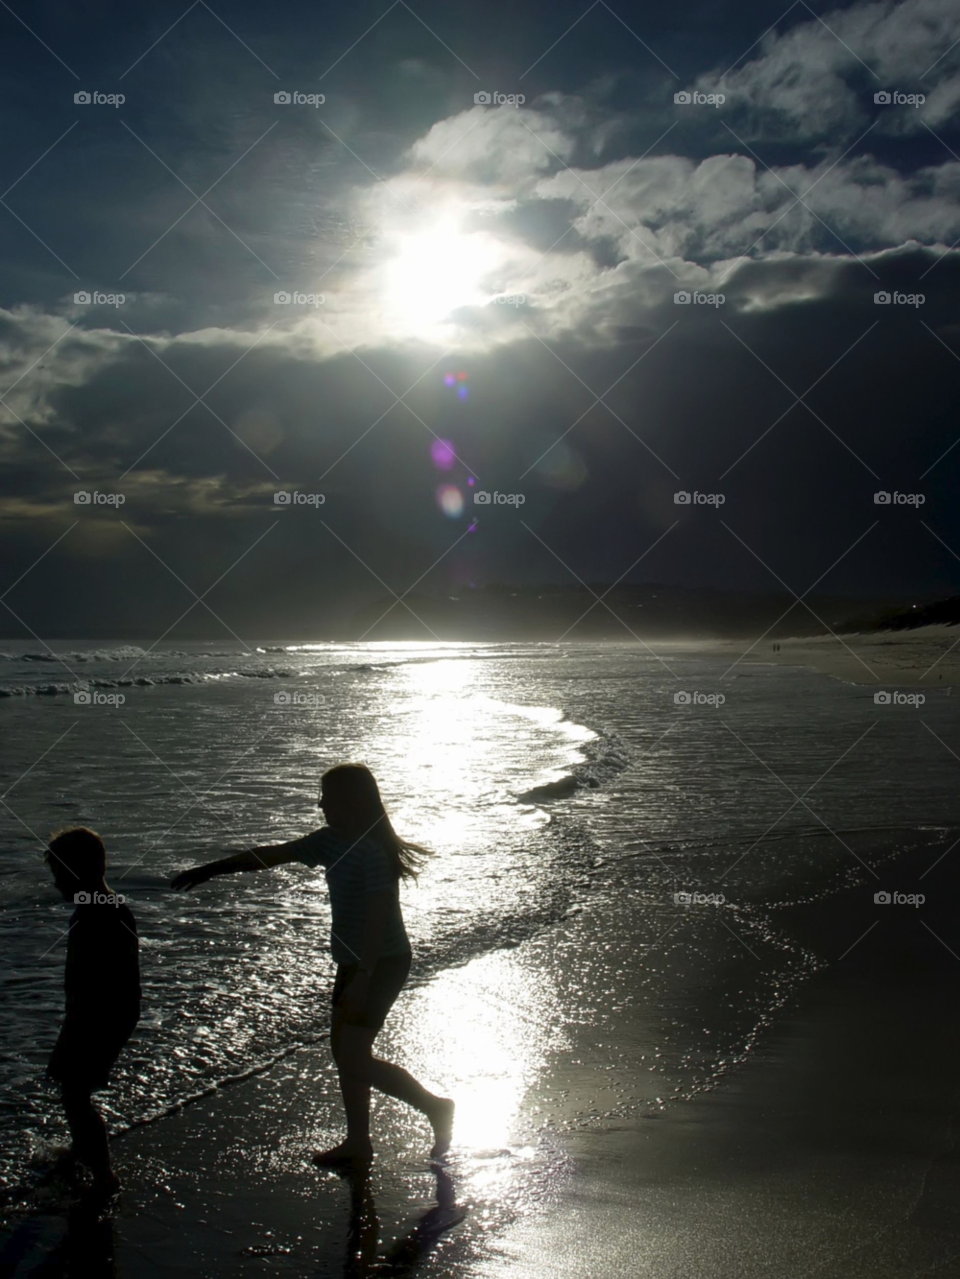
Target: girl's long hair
357 787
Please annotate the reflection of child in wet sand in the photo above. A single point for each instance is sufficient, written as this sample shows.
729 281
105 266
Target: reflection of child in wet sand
102 987
363 860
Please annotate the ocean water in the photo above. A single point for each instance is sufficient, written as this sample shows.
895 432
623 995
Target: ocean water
559 785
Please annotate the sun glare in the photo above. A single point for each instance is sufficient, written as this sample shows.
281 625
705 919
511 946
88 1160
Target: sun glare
435 271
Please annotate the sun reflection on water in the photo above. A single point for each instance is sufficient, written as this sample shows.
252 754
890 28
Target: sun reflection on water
483 1033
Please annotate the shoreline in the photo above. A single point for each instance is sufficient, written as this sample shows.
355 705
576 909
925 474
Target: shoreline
928 657
827 1151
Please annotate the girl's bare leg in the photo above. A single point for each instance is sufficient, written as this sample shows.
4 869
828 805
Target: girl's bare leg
351 1051
358 1070
397 1082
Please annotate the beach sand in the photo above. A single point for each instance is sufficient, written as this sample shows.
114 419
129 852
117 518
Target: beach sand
926 657
829 1152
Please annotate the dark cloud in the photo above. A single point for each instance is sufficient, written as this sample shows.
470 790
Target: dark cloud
538 250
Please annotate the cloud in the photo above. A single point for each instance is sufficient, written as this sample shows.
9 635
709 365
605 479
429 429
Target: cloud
817 80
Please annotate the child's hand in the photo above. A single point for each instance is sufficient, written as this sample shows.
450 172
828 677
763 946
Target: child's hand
189 878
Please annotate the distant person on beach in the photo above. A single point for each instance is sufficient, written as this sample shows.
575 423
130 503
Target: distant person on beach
364 861
102 987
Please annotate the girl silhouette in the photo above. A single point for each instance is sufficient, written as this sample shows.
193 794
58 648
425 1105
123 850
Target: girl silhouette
364 860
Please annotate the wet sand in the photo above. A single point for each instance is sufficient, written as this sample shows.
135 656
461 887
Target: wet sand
926 657
829 1152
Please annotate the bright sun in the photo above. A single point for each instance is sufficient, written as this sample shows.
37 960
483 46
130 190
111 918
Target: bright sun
433 272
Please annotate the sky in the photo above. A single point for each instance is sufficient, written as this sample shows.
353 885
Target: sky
385 259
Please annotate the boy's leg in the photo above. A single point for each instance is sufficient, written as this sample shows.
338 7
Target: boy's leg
88 1131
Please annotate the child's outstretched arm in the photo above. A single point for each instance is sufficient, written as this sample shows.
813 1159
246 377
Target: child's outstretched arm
251 859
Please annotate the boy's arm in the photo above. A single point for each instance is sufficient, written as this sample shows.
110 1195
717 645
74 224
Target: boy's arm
250 859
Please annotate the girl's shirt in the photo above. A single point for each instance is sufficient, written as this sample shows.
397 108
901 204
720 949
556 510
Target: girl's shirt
354 868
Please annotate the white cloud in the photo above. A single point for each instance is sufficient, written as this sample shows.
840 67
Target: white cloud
820 76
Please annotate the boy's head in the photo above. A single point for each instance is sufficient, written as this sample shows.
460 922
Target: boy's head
78 861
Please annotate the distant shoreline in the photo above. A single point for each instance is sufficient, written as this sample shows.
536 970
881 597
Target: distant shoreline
926 657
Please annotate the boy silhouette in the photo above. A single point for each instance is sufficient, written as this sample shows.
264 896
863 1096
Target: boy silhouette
102 989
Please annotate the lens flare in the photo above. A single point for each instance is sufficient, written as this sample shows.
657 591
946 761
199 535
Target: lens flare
443 454
450 501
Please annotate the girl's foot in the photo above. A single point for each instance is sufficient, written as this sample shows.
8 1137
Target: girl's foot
348 1152
441 1117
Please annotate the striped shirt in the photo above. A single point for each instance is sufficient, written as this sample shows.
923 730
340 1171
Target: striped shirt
353 869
